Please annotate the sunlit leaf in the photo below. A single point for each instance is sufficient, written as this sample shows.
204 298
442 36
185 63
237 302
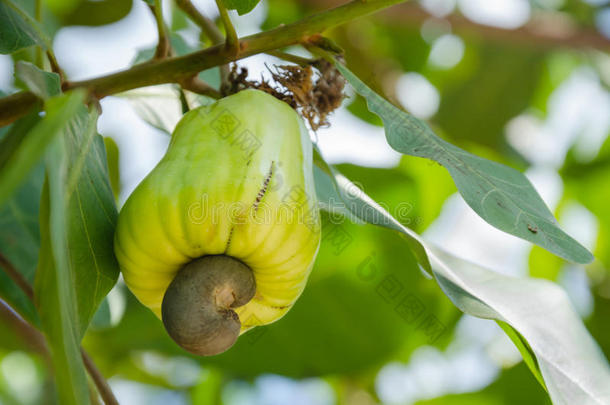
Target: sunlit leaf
158 106
573 367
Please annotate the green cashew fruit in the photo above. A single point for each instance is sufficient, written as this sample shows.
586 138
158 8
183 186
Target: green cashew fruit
222 234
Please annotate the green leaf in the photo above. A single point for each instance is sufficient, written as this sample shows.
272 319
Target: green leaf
573 367
241 6
22 148
95 12
77 266
112 158
158 106
528 355
502 196
20 241
101 319
91 212
55 296
41 83
15 32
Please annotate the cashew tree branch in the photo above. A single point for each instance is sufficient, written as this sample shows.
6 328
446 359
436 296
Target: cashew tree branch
175 70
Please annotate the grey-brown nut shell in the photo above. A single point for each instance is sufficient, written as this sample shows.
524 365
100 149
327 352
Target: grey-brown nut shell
197 308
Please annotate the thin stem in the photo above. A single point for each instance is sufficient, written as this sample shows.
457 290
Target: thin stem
99 380
17 278
30 335
39 50
208 26
196 85
298 60
36 339
231 41
55 66
163 44
173 70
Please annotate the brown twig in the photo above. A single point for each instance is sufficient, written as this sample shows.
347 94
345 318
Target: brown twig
163 49
99 380
206 24
173 70
55 66
196 85
231 44
31 336
17 277
209 28
36 339
231 39
298 60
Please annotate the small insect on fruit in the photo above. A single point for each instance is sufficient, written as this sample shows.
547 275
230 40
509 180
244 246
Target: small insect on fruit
221 236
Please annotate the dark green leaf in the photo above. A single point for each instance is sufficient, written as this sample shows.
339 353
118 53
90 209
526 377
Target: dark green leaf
20 241
22 148
77 266
15 32
43 84
501 195
55 294
241 6
95 12
101 319
91 215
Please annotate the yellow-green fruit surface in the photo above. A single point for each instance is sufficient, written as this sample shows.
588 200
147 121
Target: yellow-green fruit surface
236 180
